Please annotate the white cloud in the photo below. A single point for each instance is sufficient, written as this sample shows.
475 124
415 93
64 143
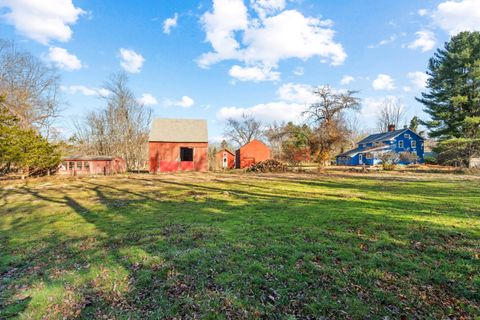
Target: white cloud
148 99
371 106
62 59
265 8
169 24
277 35
425 41
418 79
422 12
346 80
184 102
299 71
407 88
297 93
457 16
293 99
390 39
383 82
255 74
87 91
131 61
220 25
267 112
42 21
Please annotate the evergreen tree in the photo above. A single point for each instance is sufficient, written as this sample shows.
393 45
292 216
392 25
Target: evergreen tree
414 124
24 149
454 87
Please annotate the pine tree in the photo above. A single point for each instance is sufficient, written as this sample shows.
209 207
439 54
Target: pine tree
454 87
24 149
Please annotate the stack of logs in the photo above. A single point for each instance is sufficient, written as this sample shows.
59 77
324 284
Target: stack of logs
267 166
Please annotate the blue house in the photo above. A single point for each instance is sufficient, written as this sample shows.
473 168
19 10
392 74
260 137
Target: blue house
403 142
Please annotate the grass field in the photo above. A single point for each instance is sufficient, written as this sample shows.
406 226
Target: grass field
241 246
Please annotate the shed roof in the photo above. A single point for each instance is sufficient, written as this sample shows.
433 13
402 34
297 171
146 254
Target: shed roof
179 130
225 150
88 158
353 152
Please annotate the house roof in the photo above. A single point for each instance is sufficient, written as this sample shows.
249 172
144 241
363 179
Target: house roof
179 130
225 150
384 136
88 158
353 152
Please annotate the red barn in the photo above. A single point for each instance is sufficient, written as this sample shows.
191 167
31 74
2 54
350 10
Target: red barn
226 159
89 165
252 152
178 145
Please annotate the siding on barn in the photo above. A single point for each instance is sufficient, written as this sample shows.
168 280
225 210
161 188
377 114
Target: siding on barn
165 156
252 152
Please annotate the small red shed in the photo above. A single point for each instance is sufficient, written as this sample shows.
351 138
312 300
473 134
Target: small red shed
178 145
89 165
252 152
226 159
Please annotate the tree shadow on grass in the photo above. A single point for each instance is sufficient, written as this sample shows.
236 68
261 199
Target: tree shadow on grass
271 254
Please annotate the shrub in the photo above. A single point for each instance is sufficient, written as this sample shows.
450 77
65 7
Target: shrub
389 160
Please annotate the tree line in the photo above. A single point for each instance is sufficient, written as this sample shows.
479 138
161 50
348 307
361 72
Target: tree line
31 103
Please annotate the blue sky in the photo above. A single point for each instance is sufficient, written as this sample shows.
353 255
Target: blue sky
219 59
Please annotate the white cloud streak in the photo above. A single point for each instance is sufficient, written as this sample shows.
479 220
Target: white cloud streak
42 21
131 61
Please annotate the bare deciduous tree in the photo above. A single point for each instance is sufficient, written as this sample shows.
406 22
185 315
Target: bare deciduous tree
275 134
391 113
31 88
327 118
243 130
120 129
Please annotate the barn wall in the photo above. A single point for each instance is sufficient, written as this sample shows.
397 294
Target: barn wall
253 152
165 156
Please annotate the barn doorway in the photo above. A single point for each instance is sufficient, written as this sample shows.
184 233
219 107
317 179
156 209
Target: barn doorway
186 154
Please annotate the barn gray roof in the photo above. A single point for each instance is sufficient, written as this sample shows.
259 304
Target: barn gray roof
179 130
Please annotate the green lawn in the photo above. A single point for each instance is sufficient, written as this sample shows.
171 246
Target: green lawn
241 246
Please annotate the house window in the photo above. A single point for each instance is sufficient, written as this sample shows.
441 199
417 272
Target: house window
400 144
407 135
70 165
414 144
79 165
86 165
186 154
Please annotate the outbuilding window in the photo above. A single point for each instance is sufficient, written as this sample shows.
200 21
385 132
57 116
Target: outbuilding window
79 165
186 154
86 165
70 165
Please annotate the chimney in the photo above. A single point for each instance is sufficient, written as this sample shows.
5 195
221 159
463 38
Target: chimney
391 127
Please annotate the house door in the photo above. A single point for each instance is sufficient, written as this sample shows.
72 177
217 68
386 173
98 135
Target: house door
360 158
